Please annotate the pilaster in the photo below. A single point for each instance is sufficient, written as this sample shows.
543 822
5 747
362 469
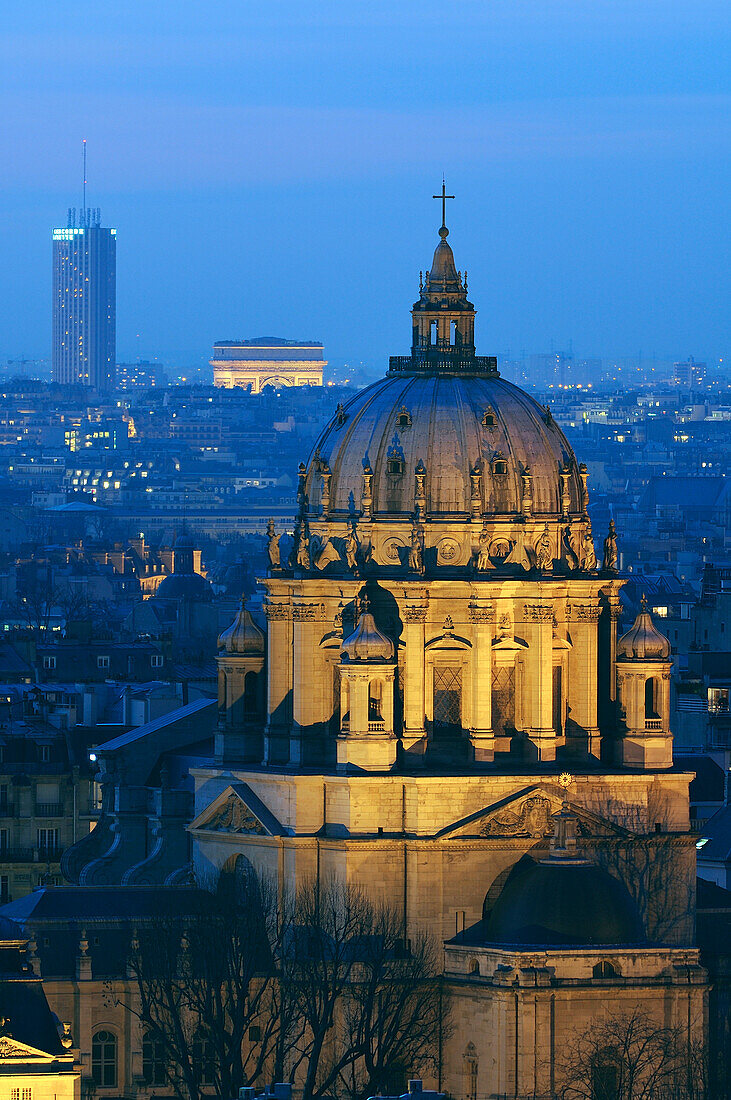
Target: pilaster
482 741
414 733
538 682
279 679
583 669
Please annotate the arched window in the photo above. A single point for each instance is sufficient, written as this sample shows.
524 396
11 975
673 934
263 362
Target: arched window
469 1072
651 697
375 704
153 1061
474 968
104 1059
605 969
251 701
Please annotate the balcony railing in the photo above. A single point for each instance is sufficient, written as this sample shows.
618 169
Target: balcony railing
49 809
444 359
653 723
376 727
8 809
30 855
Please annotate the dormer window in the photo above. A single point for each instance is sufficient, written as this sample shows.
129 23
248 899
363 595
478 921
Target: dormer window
605 969
395 460
488 417
499 465
403 419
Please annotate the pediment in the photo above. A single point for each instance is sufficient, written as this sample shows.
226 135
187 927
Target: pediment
237 810
528 813
12 1049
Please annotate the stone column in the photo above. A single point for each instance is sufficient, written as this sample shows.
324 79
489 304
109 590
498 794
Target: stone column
583 668
304 711
279 681
414 734
538 681
482 741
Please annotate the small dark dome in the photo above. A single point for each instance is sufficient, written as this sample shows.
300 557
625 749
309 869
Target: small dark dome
178 586
561 903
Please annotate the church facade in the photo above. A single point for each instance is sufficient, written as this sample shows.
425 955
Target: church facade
441 712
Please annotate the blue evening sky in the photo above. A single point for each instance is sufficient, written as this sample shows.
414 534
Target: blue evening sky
269 167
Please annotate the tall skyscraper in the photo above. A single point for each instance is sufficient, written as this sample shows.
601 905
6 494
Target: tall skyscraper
84 301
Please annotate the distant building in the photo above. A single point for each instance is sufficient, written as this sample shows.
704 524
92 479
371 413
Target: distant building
268 361
554 369
140 376
84 302
689 374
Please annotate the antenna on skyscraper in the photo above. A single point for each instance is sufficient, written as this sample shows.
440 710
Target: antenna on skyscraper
84 149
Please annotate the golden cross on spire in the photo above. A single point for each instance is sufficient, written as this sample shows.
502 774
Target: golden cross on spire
444 196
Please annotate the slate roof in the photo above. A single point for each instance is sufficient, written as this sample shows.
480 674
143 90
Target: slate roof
141 732
709 895
683 491
80 904
718 831
709 784
56 915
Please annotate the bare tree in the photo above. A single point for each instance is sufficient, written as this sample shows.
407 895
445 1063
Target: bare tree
631 1057
206 989
655 863
322 989
372 1001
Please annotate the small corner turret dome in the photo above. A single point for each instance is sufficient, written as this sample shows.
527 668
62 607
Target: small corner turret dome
643 641
243 637
564 903
367 643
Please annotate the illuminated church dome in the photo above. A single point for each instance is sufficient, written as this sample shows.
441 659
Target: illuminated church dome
451 421
443 441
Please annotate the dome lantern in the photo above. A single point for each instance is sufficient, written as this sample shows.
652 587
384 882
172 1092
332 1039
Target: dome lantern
443 319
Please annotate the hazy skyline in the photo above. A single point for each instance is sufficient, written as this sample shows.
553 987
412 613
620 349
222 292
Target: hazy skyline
269 170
